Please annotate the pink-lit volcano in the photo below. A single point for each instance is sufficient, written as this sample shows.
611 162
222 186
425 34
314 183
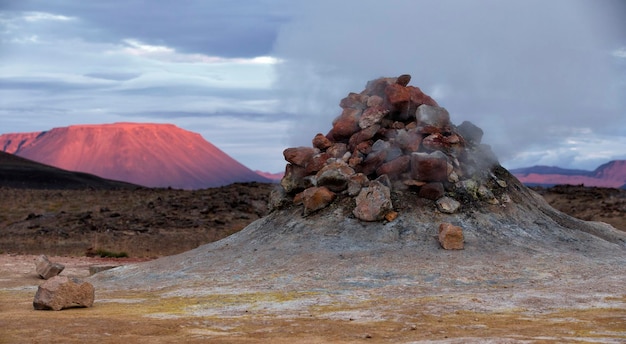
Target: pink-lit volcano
153 155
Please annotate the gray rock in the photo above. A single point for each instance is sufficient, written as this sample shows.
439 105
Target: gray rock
448 205
373 202
46 269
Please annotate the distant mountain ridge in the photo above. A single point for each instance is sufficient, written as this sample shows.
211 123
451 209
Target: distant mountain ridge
611 174
147 154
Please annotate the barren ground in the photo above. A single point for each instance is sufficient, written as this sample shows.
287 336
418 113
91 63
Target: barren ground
540 299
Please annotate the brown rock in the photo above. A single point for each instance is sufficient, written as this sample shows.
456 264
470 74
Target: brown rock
397 95
450 236
337 150
61 292
335 176
316 198
299 156
321 142
373 161
409 140
448 205
432 191
390 216
316 163
429 167
346 124
434 142
395 167
373 202
403 79
420 98
362 136
46 269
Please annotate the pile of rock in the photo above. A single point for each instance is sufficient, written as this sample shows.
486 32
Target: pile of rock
391 136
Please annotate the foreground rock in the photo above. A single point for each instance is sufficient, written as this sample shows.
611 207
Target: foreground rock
47 269
451 236
62 292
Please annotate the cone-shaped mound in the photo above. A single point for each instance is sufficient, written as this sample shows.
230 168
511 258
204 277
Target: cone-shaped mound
351 238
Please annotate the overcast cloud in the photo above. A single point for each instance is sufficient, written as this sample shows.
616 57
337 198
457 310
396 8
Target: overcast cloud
546 80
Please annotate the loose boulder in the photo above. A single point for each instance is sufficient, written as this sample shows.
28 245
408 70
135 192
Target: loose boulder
47 269
451 236
373 202
62 292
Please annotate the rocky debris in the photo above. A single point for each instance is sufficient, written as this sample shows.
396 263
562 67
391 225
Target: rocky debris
62 292
47 269
394 131
451 236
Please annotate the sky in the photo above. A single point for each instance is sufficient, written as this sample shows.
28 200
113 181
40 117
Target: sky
545 80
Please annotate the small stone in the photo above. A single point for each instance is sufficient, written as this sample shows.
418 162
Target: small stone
451 236
375 101
61 292
293 180
434 116
46 269
390 216
447 205
321 142
403 80
372 115
316 198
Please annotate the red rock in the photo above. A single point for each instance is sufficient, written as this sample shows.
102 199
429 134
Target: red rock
397 94
316 163
362 135
346 124
373 202
321 142
354 101
316 198
451 236
395 167
299 156
373 161
418 97
409 140
432 191
434 142
60 292
372 115
365 147
429 167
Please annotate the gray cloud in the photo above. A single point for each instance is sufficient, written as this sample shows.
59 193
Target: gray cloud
245 28
530 73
